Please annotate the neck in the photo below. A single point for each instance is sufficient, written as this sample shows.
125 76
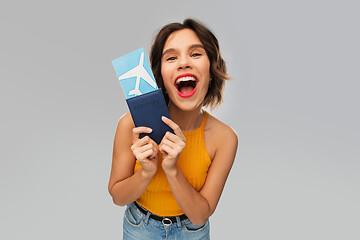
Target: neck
187 120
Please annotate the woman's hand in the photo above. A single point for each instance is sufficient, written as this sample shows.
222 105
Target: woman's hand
171 146
145 150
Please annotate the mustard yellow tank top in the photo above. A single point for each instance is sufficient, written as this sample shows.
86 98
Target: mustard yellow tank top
194 163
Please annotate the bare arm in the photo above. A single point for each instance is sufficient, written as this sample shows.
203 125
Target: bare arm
125 186
199 206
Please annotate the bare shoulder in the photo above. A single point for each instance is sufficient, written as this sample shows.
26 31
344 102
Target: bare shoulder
218 130
219 135
124 129
125 122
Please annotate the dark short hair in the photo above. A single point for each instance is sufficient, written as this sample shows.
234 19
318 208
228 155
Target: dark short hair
218 71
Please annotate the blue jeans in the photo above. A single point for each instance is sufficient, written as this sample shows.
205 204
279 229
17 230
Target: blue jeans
139 226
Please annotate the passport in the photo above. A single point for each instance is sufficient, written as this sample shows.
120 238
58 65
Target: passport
147 110
143 97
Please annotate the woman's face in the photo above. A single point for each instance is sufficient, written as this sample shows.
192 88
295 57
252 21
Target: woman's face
185 69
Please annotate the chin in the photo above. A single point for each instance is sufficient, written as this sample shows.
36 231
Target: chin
186 105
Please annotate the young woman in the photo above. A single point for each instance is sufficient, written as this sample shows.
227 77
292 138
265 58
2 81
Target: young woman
172 189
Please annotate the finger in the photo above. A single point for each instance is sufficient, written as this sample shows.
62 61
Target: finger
152 144
145 155
149 146
173 126
144 152
169 143
141 142
176 139
166 149
145 148
138 130
143 145
172 137
155 148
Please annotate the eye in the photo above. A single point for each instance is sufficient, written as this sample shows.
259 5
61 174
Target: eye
196 54
170 58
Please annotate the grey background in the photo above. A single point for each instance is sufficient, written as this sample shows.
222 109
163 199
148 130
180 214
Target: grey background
293 101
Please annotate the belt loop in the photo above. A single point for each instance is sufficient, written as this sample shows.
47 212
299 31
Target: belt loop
178 222
146 219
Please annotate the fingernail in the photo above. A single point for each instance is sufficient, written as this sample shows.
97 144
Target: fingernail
149 129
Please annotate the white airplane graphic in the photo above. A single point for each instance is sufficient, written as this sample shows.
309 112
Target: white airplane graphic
138 71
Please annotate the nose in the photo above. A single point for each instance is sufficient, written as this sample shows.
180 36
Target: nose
184 63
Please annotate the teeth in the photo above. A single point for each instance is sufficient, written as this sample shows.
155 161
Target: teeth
185 79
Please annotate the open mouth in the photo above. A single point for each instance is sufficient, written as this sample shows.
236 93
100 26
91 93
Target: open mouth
186 85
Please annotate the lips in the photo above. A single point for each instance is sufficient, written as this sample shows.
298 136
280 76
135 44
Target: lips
186 85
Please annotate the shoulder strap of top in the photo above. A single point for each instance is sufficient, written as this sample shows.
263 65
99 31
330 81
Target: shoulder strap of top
205 118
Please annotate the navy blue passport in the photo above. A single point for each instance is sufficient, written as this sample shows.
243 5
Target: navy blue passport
146 111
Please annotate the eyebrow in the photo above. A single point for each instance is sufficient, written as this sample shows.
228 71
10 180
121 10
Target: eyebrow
191 47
